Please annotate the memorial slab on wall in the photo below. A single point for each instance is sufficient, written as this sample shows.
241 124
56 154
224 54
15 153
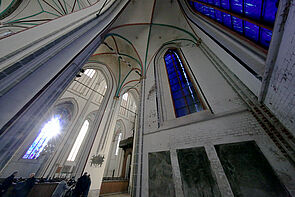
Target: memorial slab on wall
196 173
248 171
160 175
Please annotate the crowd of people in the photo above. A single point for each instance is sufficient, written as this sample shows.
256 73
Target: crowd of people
13 187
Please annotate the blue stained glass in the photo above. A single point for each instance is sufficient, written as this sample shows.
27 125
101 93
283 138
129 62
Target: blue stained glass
269 11
253 8
225 4
170 70
265 35
182 89
199 7
193 108
186 92
237 6
50 129
218 15
227 20
198 107
173 80
206 11
217 3
237 24
191 100
177 94
212 13
175 87
251 31
182 112
211 2
179 103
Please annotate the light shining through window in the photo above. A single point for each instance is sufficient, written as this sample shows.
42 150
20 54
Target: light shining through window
51 129
79 141
89 72
117 148
125 96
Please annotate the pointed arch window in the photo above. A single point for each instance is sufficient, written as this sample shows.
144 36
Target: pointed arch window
50 129
78 142
185 96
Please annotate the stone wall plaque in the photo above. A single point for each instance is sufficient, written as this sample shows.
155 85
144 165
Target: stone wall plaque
196 174
160 175
248 171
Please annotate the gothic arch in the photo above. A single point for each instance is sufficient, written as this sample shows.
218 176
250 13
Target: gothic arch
163 96
121 128
72 100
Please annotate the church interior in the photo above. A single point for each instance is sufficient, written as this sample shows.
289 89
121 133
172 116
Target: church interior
152 98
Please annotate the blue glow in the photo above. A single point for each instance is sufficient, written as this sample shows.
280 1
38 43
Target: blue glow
265 37
184 95
227 20
50 130
251 31
252 9
237 6
225 4
237 24
217 3
269 11
218 16
212 13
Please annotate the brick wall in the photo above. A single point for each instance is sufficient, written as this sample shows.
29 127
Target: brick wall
280 98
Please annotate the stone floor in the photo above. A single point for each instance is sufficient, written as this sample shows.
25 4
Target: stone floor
115 195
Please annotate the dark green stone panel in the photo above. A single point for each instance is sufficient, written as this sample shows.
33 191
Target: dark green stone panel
196 173
248 171
160 175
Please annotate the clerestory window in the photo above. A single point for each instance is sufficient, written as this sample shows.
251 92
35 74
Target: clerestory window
251 19
78 142
186 98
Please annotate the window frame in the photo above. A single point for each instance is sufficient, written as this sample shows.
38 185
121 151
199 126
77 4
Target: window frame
236 52
81 144
199 96
256 22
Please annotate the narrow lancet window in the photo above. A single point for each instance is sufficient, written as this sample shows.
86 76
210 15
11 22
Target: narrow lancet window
118 143
50 129
78 141
184 94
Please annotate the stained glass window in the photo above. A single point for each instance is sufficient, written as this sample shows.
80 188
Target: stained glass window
50 129
184 94
50 133
79 141
252 19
